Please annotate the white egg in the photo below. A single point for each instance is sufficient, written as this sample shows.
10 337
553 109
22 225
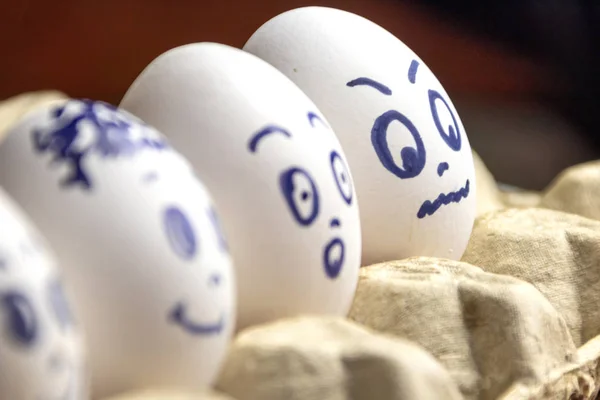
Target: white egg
276 171
138 240
406 145
42 353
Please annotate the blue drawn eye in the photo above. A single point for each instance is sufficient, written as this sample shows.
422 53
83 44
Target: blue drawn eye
452 137
21 318
301 195
60 305
180 233
341 176
413 159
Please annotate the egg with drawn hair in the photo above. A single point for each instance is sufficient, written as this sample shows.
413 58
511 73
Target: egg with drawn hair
41 346
276 171
139 242
405 142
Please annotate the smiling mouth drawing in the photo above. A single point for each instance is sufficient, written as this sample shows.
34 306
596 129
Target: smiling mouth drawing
178 316
429 208
333 264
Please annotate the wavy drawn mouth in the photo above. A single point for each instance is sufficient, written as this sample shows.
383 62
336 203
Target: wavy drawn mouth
429 208
178 316
333 257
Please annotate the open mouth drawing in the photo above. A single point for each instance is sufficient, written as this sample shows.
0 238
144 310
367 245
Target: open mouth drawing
179 316
333 257
429 208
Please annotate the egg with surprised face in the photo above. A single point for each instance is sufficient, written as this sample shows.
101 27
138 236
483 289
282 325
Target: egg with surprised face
276 171
139 242
405 142
41 349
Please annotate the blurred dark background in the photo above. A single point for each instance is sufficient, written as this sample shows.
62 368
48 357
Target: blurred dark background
522 73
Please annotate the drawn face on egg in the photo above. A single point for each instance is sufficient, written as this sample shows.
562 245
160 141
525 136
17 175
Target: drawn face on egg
183 240
414 159
38 336
82 128
300 192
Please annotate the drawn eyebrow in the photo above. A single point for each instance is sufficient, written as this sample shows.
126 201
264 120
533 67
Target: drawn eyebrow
257 137
312 117
412 71
370 82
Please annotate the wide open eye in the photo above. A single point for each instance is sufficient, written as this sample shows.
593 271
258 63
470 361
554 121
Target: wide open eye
451 135
341 176
413 158
21 320
60 305
180 233
301 195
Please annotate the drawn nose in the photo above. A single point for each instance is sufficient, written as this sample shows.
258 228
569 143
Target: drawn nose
335 223
215 280
442 167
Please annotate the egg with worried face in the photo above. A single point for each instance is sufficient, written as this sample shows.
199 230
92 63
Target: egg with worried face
138 239
276 171
41 348
406 145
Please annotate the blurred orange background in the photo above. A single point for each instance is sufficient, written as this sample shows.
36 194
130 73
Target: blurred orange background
95 49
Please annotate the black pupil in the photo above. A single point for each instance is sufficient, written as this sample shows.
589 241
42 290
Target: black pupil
305 195
21 318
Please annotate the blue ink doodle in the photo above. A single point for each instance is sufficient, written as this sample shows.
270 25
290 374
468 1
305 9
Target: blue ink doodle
413 159
442 167
215 279
452 138
257 137
412 71
112 139
295 200
341 176
372 83
180 233
335 223
312 117
178 316
150 177
60 305
429 208
218 229
22 320
333 265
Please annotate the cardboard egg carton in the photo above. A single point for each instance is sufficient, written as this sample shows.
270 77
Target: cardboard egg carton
516 318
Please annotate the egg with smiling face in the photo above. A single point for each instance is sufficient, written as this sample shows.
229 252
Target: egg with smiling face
139 242
41 348
405 142
275 169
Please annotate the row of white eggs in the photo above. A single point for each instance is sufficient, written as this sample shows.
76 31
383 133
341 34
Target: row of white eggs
147 268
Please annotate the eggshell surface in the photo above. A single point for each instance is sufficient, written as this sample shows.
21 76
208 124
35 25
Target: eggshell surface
276 171
41 348
405 142
138 239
